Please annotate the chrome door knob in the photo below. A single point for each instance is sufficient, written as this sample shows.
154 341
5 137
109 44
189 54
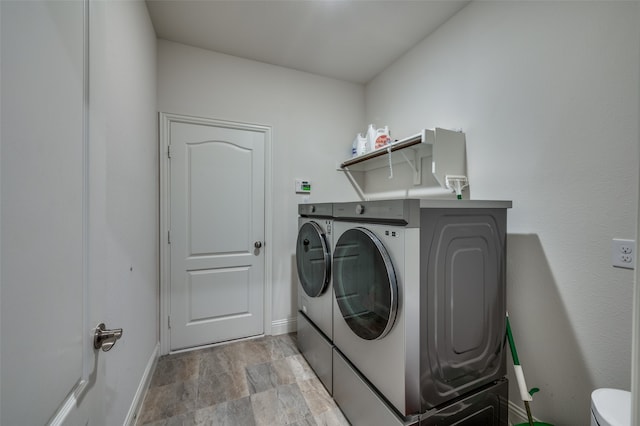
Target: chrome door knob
105 339
257 244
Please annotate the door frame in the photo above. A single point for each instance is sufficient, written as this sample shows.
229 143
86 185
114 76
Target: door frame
165 121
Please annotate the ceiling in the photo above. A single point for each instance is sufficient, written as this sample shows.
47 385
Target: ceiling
351 40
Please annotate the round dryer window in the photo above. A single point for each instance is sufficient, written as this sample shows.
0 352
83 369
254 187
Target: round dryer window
313 259
364 282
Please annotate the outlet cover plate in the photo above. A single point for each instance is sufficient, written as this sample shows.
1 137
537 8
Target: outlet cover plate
623 253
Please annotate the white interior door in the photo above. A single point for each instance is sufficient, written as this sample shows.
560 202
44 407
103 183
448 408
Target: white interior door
216 232
50 372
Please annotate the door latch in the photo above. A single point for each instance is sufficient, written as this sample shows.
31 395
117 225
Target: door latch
105 339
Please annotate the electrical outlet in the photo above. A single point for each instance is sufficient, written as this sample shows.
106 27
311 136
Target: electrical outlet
623 253
626 248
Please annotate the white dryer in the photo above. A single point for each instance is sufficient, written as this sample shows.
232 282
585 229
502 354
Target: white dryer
315 295
420 302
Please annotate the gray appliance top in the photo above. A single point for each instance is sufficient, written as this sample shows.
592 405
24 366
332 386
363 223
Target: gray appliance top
406 211
316 210
465 204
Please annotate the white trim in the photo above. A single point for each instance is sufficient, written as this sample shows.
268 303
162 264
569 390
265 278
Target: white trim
283 326
268 231
89 355
143 386
165 259
165 120
635 327
213 345
70 404
635 351
635 347
0 214
635 324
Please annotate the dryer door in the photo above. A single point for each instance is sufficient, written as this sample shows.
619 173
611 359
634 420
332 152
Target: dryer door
313 259
364 283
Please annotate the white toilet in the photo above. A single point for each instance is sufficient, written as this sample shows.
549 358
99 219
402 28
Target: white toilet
610 407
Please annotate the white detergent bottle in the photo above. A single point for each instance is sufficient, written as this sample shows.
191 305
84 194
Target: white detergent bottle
359 146
371 137
382 138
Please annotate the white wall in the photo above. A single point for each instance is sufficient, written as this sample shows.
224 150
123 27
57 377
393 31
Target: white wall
547 94
125 130
314 120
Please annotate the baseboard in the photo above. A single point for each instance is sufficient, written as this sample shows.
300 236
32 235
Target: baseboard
283 326
138 398
517 414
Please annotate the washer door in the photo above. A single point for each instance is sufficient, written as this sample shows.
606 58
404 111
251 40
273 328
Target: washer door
364 282
313 259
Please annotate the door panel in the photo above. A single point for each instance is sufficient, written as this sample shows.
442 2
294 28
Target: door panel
229 168
216 217
219 293
47 293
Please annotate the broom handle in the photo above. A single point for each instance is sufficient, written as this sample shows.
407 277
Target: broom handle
529 416
512 345
526 397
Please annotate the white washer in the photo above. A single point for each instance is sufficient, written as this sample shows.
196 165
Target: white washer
419 307
315 294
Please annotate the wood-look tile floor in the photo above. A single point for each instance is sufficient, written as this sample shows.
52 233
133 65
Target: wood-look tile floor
263 381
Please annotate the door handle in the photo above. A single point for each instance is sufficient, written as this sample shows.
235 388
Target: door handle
105 339
257 244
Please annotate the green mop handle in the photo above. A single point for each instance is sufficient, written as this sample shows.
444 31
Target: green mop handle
524 394
514 355
512 345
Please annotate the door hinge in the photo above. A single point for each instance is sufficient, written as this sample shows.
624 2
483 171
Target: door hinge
169 321
168 237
